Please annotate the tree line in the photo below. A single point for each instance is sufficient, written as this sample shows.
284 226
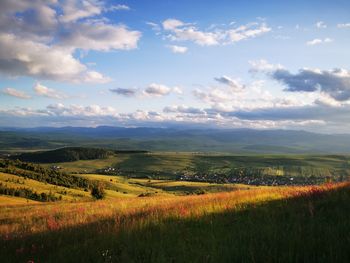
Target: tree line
67 154
28 193
41 174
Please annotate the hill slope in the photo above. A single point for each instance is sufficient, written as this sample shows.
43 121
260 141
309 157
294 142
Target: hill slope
308 224
67 154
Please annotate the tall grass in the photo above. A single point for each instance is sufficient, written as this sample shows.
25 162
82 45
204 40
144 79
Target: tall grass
272 223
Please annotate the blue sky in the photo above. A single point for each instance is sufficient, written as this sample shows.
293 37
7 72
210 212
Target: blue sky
226 64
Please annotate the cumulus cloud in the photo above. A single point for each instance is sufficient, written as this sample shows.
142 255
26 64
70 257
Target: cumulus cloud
318 41
78 110
155 89
15 93
128 92
187 32
172 24
254 95
94 77
61 110
24 57
44 91
40 38
178 49
234 84
100 36
181 31
159 90
335 83
74 10
35 19
313 116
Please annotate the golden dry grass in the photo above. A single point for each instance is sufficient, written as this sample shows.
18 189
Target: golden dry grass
137 211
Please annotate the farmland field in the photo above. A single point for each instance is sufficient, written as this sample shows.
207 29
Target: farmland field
218 167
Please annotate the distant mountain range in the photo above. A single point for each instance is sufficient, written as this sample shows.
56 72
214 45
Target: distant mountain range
172 139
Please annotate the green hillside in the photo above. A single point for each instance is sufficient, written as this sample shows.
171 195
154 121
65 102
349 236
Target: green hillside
67 154
41 174
219 168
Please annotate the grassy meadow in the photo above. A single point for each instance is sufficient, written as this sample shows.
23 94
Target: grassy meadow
269 224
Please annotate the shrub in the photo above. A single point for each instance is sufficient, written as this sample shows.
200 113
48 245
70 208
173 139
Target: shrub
98 192
147 194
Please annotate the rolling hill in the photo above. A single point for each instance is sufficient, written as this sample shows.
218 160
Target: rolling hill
67 154
174 139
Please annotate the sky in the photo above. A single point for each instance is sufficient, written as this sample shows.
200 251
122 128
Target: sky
167 63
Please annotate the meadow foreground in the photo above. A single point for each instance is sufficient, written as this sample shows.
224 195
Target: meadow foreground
266 224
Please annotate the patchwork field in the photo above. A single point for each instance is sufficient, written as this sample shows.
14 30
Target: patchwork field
219 168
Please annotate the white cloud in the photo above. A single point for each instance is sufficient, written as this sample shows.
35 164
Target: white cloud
183 109
247 31
152 90
35 19
159 90
172 24
40 38
321 24
44 91
344 25
263 65
190 33
74 10
24 57
234 84
94 77
78 110
318 41
118 7
254 95
177 90
328 40
315 116
181 31
326 100
100 36
178 49
313 42
15 93
155 89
